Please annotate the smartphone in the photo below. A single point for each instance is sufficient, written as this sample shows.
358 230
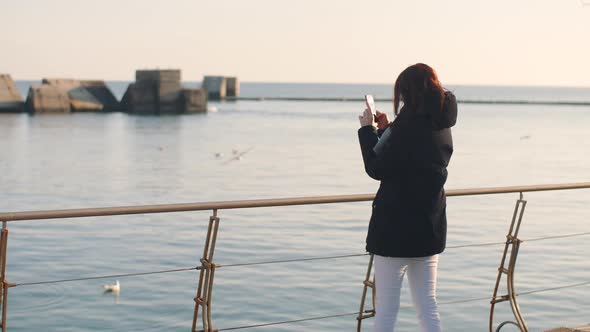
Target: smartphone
370 101
371 104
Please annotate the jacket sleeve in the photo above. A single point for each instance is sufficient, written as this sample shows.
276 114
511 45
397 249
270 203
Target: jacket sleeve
385 165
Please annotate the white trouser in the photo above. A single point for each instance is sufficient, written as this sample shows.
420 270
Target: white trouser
389 274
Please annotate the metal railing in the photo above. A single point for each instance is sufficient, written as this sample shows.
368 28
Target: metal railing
207 267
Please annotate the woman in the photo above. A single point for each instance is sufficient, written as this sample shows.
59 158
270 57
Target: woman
408 224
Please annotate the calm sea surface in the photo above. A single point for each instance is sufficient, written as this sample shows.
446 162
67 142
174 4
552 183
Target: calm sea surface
295 149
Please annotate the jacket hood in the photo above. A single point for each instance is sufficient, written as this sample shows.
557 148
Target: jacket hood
447 117
440 116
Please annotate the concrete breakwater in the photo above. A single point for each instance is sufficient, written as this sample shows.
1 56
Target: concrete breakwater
153 92
58 95
221 87
10 98
161 92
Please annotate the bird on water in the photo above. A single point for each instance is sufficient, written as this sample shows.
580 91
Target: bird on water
115 288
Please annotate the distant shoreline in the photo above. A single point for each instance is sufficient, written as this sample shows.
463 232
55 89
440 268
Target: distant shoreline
345 92
465 101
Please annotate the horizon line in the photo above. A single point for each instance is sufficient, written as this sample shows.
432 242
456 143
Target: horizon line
336 83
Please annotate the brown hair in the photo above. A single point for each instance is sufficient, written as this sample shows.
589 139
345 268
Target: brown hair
418 88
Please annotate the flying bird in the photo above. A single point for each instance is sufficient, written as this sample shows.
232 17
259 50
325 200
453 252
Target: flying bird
238 155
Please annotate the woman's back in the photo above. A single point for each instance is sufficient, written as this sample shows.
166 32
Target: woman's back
409 218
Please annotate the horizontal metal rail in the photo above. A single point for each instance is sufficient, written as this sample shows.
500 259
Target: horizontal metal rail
257 203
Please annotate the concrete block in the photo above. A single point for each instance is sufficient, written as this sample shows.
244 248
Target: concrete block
215 86
103 94
166 84
193 101
10 98
65 84
157 75
140 99
47 98
232 86
161 92
86 95
82 100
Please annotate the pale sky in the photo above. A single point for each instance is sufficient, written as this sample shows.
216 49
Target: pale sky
508 42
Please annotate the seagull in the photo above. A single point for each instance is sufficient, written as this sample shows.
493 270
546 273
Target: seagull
112 288
218 154
238 155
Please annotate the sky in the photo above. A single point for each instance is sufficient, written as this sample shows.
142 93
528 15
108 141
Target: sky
502 42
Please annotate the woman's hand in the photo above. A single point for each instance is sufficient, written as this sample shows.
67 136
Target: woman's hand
382 120
367 119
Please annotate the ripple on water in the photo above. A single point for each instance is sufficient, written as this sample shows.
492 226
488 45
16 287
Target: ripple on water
45 297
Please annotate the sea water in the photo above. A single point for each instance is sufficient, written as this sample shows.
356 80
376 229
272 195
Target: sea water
293 149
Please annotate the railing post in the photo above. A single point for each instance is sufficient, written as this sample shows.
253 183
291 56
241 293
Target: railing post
363 314
512 244
5 285
206 276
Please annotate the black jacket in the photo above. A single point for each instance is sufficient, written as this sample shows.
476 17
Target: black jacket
409 210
